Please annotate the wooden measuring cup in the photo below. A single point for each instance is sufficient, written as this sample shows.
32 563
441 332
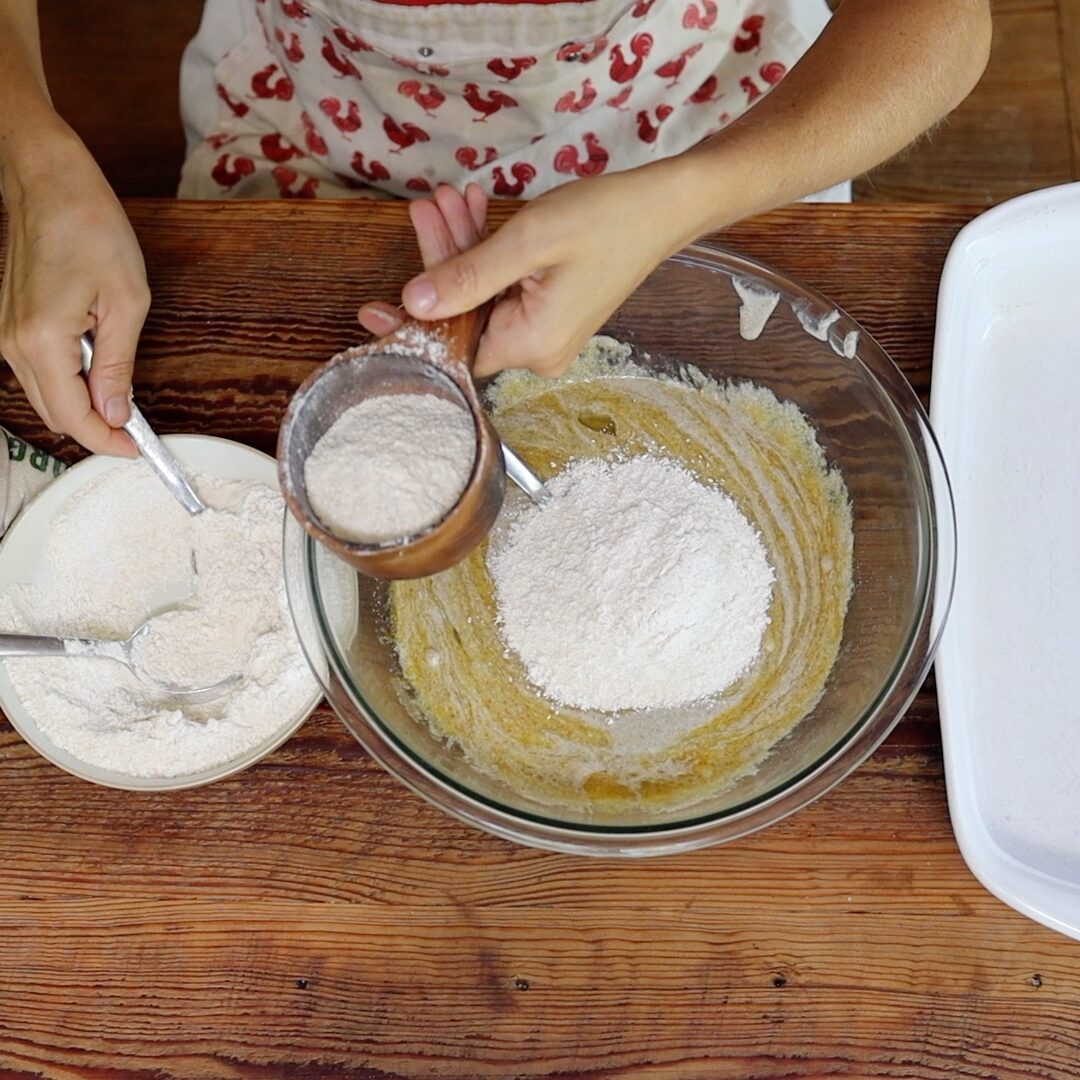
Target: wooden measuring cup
429 358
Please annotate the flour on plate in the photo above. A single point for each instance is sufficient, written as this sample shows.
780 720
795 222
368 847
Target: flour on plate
122 550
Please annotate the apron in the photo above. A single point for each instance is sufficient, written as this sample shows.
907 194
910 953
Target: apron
331 98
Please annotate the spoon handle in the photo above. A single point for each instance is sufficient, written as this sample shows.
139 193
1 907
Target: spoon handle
41 645
524 477
151 447
31 645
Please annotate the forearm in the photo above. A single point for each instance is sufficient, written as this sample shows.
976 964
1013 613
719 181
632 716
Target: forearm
28 123
880 75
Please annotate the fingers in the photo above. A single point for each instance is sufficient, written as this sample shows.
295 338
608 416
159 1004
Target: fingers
64 403
116 337
458 216
542 325
449 223
466 281
380 319
477 201
432 232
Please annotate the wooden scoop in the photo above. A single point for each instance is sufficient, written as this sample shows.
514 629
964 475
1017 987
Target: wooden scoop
429 358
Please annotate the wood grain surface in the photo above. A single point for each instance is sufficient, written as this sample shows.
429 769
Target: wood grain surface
311 918
1011 134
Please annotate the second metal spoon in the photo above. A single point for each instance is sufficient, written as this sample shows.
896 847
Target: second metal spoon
120 651
150 446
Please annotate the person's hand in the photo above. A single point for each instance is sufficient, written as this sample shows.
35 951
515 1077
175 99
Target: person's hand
73 264
446 226
560 266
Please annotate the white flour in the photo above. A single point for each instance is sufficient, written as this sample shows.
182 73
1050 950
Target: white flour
636 587
121 550
390 467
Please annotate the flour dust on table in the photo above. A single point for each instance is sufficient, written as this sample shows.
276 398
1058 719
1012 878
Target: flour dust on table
647 638
122 550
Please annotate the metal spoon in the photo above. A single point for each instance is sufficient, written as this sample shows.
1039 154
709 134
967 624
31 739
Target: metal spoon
525 478
120 651
150 446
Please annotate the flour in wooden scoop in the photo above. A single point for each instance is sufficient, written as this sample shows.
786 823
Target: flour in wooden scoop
390 467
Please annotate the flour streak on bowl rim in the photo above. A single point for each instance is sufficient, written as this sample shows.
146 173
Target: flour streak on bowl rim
23 546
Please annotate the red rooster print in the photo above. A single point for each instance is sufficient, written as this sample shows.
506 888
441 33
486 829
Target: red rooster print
571 102
495 101
229 175
509 70
642 8
773 72
623 70
596 158
314 141
239 108
286 177
700 19
429 98
418 183
421 69
373 171
576 50
648 131
262 87
469 157
706 92
750 38
342 65
618 102
674 68
294 52
523 174
346 122
276 149
352 42
751 88
294 10
403 135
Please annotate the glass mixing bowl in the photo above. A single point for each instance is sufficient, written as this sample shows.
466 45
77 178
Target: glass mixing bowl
871 426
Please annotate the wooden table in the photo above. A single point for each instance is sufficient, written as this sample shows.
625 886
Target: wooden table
312 918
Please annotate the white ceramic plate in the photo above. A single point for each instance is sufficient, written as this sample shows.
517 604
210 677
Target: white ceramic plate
1006 407
22 559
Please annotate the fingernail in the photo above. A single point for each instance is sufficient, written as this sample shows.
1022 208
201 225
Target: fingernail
420 295
116 411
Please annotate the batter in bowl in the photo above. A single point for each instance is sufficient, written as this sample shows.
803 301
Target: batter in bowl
473 691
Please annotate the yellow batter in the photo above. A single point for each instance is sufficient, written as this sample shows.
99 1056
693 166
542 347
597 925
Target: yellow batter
760 451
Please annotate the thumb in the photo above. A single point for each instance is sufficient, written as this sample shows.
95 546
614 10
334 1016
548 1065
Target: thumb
468 280
110 374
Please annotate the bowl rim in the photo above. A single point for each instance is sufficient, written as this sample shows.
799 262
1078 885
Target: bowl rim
937 535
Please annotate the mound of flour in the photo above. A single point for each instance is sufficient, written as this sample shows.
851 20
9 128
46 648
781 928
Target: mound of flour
390 467
636 587
123 550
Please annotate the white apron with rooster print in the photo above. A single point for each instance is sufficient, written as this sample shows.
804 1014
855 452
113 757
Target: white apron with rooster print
306 98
